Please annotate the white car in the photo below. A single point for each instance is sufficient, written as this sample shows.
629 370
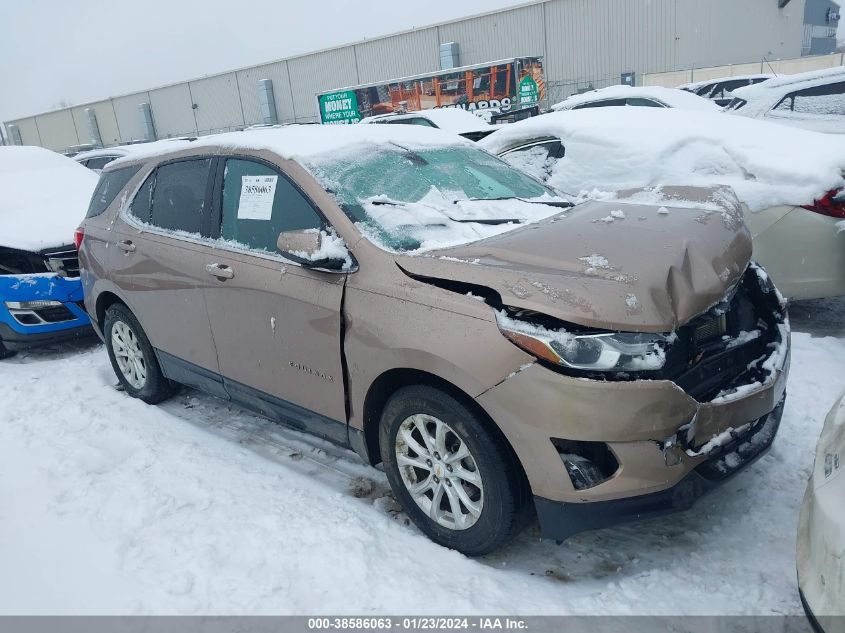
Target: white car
97 159
646 96
454 120
821 529
720 90
813 100
789 181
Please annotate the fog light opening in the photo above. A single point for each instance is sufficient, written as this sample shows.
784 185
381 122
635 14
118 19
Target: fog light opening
587 463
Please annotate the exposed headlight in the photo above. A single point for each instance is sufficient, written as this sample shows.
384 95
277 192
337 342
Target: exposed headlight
620 351
31 305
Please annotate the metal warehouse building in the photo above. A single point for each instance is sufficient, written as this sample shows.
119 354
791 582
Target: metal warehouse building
583 43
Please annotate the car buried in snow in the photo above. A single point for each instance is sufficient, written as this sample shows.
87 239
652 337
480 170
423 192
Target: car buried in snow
403 293
43 195
789 181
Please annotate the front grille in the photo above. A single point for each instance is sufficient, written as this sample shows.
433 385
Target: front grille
63 261
711 355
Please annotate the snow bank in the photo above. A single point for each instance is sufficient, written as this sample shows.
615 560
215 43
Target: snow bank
670 97
43 197
611 149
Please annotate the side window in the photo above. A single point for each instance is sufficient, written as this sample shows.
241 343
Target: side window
178 197
259 203
536 160
141 206
607 103
99 163
640 101
827 100
107 189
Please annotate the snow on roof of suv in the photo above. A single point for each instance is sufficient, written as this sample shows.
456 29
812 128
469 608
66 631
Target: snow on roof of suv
696 85
780 86
661 97
44 196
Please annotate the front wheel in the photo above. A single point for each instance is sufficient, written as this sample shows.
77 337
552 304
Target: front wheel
455 476
5 353
132 357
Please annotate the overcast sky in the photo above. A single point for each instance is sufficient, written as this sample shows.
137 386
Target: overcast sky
56 50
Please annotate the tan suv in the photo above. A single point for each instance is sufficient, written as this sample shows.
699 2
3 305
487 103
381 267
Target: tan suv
399 291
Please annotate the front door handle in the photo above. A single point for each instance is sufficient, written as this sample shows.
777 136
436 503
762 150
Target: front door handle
126 246
221 271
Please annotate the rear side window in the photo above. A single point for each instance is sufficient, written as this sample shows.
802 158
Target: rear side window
100 162
607 103
107 189
259 203
178 196
642 102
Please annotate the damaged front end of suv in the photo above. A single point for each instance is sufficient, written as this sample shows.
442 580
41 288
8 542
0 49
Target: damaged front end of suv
40 298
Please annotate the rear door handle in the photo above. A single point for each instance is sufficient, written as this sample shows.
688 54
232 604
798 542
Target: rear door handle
221 271
126 245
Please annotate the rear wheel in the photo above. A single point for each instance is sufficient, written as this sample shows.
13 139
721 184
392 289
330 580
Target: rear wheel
132 357
455 477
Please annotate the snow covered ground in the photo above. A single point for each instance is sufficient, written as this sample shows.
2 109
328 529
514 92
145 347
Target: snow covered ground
111 506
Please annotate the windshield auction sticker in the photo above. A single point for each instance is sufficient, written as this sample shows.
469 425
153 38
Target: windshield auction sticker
257 193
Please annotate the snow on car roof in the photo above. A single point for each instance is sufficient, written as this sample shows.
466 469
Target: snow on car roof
304 142
455 120
698 84
612 149
671 97
135 149
780 86
43 197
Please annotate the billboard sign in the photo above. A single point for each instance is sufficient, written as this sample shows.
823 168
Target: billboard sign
496 87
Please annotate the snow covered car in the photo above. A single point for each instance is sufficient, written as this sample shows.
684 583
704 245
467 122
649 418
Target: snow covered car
821 529
645 96
401 292
813 100
43 196
455 120
720 90
789 181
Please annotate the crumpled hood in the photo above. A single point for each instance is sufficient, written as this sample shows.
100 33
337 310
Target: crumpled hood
614 265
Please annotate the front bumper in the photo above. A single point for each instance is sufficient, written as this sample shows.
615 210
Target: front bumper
41 327
560 520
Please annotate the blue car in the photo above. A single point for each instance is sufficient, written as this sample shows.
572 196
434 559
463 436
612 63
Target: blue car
43 197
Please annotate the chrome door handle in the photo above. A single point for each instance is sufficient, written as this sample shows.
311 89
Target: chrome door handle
126 245
221 271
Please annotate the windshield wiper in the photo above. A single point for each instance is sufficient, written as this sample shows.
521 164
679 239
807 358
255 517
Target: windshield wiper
561 204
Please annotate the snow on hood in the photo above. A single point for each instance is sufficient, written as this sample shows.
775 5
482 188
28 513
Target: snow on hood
304 142
671 97
610 149
43 197
619 266
454 119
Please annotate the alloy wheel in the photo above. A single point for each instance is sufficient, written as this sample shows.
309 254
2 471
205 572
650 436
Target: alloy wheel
129 355
439 471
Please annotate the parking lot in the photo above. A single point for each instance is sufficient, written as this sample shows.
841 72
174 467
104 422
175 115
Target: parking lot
198 506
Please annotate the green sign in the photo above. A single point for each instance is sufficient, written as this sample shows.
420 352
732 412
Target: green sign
340 107
528 92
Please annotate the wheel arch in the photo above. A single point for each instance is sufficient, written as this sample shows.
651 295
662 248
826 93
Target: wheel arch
390 381
105 300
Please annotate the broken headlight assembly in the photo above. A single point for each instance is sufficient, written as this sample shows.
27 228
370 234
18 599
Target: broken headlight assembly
589 351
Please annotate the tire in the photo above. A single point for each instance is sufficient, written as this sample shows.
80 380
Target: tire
497 509
128 346
5 353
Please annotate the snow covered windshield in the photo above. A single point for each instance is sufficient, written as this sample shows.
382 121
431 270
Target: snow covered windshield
411 200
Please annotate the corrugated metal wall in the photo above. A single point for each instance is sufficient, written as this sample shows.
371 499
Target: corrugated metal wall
218 104
584 42
128 118
106 121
